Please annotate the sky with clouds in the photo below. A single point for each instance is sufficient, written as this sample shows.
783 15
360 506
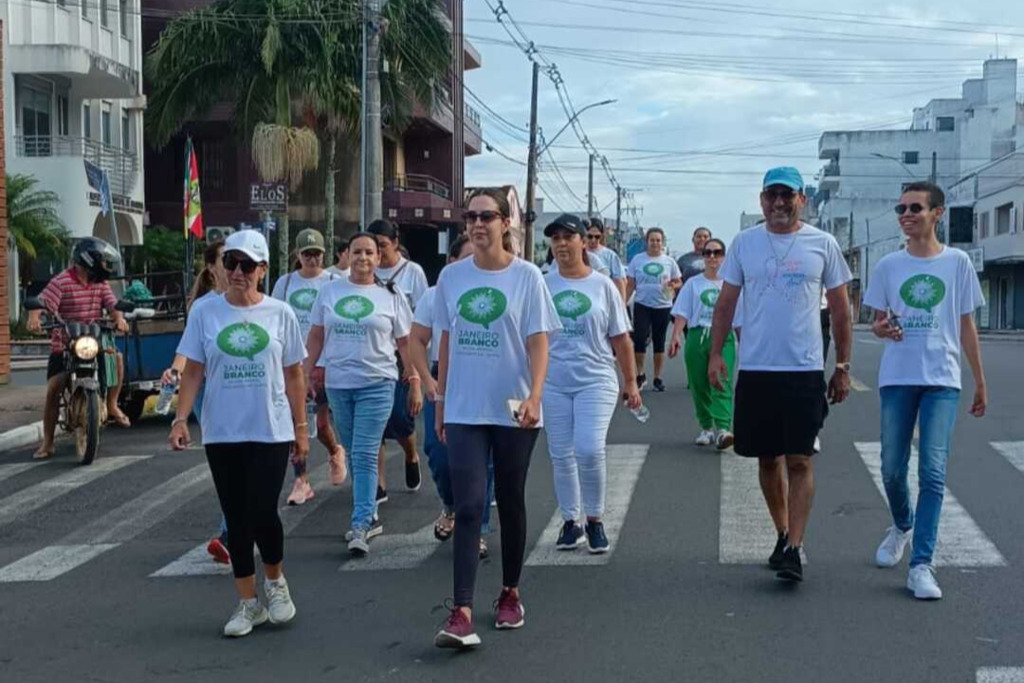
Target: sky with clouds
711 94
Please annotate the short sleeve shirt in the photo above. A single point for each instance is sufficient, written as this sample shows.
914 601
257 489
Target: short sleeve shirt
607 262
300 293
652 275
408 277
424 316
697 299
74 300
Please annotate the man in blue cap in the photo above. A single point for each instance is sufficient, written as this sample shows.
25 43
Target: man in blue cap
781 266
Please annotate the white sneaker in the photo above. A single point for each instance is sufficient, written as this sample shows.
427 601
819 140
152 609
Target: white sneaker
724 439
279 601
705 438
376 529
359 545
921 582
890 552
248 614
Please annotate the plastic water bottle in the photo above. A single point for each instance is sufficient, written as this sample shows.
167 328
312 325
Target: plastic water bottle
642 414
311 418
167 389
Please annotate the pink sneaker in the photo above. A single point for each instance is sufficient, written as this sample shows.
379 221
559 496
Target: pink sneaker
301 493
336 469
457 632
509 612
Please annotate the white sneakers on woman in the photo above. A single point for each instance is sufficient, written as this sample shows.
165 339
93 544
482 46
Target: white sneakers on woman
705 438
250 613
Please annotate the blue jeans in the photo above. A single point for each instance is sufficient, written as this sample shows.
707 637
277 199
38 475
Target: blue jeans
360 416
437 461
936 408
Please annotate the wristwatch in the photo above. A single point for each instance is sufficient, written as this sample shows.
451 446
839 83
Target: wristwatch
843 367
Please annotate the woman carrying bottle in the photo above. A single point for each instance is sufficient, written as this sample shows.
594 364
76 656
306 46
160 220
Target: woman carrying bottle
357 326
582 387
655 278
695 309
249 349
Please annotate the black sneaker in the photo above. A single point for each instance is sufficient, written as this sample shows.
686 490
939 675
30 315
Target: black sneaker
597 542
790 569
775 561
658 384
570 537
412 475
641 382
382 495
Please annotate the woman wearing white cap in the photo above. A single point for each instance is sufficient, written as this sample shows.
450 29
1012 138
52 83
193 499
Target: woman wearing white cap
299 290
249 349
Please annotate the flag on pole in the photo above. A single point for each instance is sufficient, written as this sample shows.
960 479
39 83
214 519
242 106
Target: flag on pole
97 179
193 204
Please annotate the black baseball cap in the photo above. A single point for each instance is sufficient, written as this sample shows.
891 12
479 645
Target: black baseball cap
566 221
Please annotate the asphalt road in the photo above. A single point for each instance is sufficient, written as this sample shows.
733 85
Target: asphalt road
684 596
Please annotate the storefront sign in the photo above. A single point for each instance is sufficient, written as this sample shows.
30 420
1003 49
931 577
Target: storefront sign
268 197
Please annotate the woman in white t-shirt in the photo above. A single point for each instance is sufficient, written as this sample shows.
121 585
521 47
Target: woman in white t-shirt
582 387
299 289
655 278
249 349
695 309
357 326
495 315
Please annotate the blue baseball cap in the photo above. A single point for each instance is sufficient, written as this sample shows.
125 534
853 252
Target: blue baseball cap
784 175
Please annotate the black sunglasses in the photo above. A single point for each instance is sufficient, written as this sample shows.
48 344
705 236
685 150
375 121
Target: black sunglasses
593 237
312 253
914 208
784 195
714 252
231 262
485 216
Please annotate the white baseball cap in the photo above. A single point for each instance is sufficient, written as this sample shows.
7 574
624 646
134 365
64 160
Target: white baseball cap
249 242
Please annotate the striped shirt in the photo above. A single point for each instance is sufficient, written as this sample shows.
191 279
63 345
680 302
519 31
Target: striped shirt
73 300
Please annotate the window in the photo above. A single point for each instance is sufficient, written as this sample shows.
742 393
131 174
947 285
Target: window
63 120
104 15
34 110
86 120
126 130
124 18
85 8
105 122
62 3
945 123
1004 219
911 158
983 224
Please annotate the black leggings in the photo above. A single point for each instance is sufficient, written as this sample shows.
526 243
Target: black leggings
248 477
651 322
468 446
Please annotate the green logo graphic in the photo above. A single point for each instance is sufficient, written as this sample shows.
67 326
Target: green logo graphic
923 291
709 297
354 308
244 340
572 304
482 305
654 269
302 299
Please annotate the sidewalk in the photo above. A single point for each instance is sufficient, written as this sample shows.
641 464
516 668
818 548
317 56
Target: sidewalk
21 414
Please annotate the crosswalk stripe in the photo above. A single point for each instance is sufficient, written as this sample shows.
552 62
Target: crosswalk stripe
746 534
398 551
197 562
625 463
34 497
111 530
1000 674
1013 451
961 541
14 469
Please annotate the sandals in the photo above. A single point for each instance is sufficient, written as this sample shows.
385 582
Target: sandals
43 454
119 420
444 527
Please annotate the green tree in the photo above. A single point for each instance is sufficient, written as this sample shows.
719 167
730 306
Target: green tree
34 223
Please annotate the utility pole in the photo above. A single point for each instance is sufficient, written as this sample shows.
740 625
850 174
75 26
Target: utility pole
590 189
373 146
618 218
933 178
531 170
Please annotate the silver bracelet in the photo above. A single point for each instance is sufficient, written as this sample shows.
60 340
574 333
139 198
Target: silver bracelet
178 420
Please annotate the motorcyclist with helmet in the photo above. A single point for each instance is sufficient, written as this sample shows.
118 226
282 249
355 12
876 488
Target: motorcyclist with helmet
78 294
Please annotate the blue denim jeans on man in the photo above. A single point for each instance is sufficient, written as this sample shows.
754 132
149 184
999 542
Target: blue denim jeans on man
936 408
360 416
437 461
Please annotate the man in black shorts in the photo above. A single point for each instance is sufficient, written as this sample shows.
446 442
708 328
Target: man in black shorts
781 268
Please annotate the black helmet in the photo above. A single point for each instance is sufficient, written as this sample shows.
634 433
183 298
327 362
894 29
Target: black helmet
99 258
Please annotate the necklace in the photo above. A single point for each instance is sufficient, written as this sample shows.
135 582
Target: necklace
771 245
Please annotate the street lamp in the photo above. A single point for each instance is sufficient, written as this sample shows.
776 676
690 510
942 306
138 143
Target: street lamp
571 121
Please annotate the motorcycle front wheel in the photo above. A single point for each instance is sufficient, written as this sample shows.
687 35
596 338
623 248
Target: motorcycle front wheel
87 431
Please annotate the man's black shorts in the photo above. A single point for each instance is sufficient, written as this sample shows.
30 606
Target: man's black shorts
55 364
779 413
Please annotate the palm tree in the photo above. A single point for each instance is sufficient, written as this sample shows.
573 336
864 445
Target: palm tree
34 224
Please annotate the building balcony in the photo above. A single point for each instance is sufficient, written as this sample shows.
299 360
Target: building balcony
473 131
472 55
828 146
416 198
122 166
93 75
829 177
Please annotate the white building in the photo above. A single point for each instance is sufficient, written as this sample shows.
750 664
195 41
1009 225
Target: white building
73 91
948 139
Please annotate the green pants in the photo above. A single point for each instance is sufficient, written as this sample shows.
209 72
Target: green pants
713 406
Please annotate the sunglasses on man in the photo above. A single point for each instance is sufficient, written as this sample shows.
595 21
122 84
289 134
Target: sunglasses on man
773 195
231 262
914 208
471 217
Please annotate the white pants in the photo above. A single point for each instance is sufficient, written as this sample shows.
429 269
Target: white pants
577 430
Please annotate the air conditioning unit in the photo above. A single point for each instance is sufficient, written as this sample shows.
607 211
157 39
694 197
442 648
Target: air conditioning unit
218 233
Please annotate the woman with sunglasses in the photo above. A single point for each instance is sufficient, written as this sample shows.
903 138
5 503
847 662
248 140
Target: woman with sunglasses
655 278
249 349
358 325
582 387
299 290
495 315
695 309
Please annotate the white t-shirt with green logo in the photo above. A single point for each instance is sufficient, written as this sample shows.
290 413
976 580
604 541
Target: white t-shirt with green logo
424 316
361 325
410 279
606 262
652 274
300 293
929 295
591 311
489 315
697 299
245 351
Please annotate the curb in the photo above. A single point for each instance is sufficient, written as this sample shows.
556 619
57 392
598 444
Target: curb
19 437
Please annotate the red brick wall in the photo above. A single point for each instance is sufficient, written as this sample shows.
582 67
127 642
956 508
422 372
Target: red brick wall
5 329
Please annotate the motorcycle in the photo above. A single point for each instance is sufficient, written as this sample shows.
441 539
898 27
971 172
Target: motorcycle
91 367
